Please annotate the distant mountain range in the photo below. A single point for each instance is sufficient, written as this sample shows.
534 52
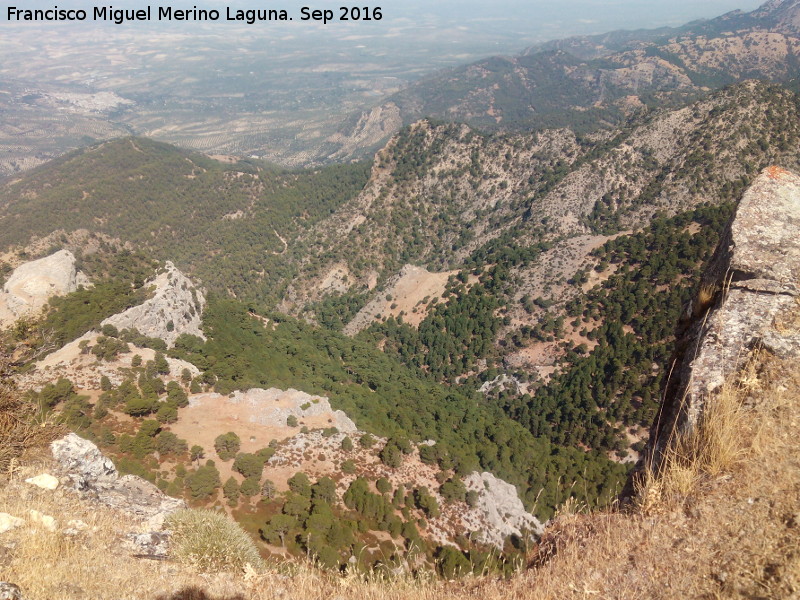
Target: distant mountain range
588 82
585 83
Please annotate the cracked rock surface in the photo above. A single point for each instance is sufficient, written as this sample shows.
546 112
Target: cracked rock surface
749 300
95 476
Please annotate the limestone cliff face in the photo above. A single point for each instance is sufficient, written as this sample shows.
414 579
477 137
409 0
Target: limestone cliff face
748 300
33 283
175 308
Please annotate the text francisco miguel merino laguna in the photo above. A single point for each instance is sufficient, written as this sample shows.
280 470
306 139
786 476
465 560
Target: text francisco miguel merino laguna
169 13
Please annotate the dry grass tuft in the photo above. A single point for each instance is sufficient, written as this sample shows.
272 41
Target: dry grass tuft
211 541
21 426
705 297
722 520
720 440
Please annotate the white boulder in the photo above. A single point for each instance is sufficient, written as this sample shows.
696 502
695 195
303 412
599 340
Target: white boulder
9 522
33 283
44 481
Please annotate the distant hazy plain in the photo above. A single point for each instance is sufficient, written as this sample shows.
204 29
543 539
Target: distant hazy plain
271 89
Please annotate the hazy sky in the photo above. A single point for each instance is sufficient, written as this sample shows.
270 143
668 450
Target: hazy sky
605 13
448 31
551 20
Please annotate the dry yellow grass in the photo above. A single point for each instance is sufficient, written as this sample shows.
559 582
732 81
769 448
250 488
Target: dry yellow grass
722 519
724 524
711 448
20 427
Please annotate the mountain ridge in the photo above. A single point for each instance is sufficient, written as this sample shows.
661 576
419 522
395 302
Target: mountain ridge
588 82
524 236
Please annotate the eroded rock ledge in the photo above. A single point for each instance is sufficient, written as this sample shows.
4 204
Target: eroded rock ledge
749 299
33 283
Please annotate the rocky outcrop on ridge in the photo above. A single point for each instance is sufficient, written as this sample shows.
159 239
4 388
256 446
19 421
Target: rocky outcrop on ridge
748 300
502 511
175 308
93 475
275 406
86 372
33 283
495 513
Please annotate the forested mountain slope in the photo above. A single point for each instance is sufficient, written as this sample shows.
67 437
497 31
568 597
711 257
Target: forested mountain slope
548 267
593 82
444 196
561 280
562 260
227 223
438 195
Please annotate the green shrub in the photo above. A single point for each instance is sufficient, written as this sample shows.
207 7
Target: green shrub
169 443
204 482
249 465
231 491
227 445
300 484
211 541
451 563
250 487
391 455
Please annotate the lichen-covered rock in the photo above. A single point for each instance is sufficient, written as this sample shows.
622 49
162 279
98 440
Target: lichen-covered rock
95 475
85 465
9 591
500 508
33 283
46 521
175 308
748 299
75 527
153 544
140 499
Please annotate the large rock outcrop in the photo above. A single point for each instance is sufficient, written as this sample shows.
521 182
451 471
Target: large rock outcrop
33 283
94 475
275 406
175 308
500 509
748 300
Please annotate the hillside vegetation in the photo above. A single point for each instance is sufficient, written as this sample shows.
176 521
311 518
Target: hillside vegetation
549 288
552 288
736 522
445 196
226 222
